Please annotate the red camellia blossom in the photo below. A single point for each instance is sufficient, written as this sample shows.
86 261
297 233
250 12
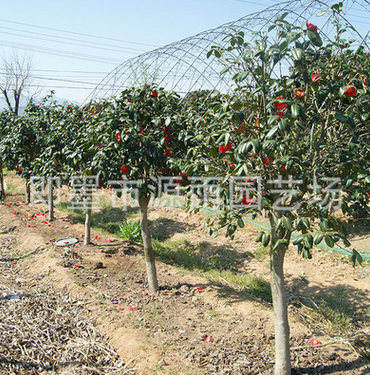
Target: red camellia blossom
225 148
280 114
154 94
100 147
298 93
167 152
124 169
118 136
231 164
283 168
268 160
368 194
311 27
315 77
19 169
246 200
280 105
364 80
350 91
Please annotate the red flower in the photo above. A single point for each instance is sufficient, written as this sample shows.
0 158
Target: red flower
340 76
364 79
100 147
231 164
246 200
69 106
120 254
279 105
94 112
28 225
19 169
154 94
254 155
124 169
44 222
283 168
298 93
350 91
315 342
268 160
280 114
368 194
184 175
141 130
95 238
118 136
311 27
167 152
315 77
225 148
209 339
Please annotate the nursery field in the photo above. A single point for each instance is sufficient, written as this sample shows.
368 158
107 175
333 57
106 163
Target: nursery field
86 310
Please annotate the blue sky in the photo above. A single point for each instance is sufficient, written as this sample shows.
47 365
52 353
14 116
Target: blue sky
74 44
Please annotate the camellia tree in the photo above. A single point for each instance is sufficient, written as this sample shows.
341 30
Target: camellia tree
294 146
134 139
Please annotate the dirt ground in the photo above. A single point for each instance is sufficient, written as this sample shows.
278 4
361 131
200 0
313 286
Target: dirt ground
193 325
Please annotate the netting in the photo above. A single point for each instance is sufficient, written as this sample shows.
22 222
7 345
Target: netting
184 67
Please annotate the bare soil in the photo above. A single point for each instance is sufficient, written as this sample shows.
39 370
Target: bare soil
193 325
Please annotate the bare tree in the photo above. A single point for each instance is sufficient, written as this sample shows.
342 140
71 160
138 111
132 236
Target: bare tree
15 82
15 79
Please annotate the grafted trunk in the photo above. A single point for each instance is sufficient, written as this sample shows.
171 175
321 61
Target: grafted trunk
28 191
282 348
88 218
50 200
2 186
147 241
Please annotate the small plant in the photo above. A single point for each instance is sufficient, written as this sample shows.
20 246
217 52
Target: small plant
131 231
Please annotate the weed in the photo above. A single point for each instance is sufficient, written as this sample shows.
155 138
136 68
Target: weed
262 251
131 231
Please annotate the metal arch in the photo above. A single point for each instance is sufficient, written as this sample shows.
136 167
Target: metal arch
173 64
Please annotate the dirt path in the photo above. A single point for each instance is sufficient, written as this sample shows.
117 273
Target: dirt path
193 325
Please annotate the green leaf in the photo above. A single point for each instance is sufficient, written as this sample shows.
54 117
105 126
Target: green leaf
259 237
298 240
356 257
287 223
341 117
295 110
324 225
282 242
318 237
297 54
240 222
265 239
272 132
329 240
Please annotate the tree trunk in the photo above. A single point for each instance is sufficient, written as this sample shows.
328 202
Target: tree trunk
282 349
28 191
147 241
2 186
50 200
88 224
